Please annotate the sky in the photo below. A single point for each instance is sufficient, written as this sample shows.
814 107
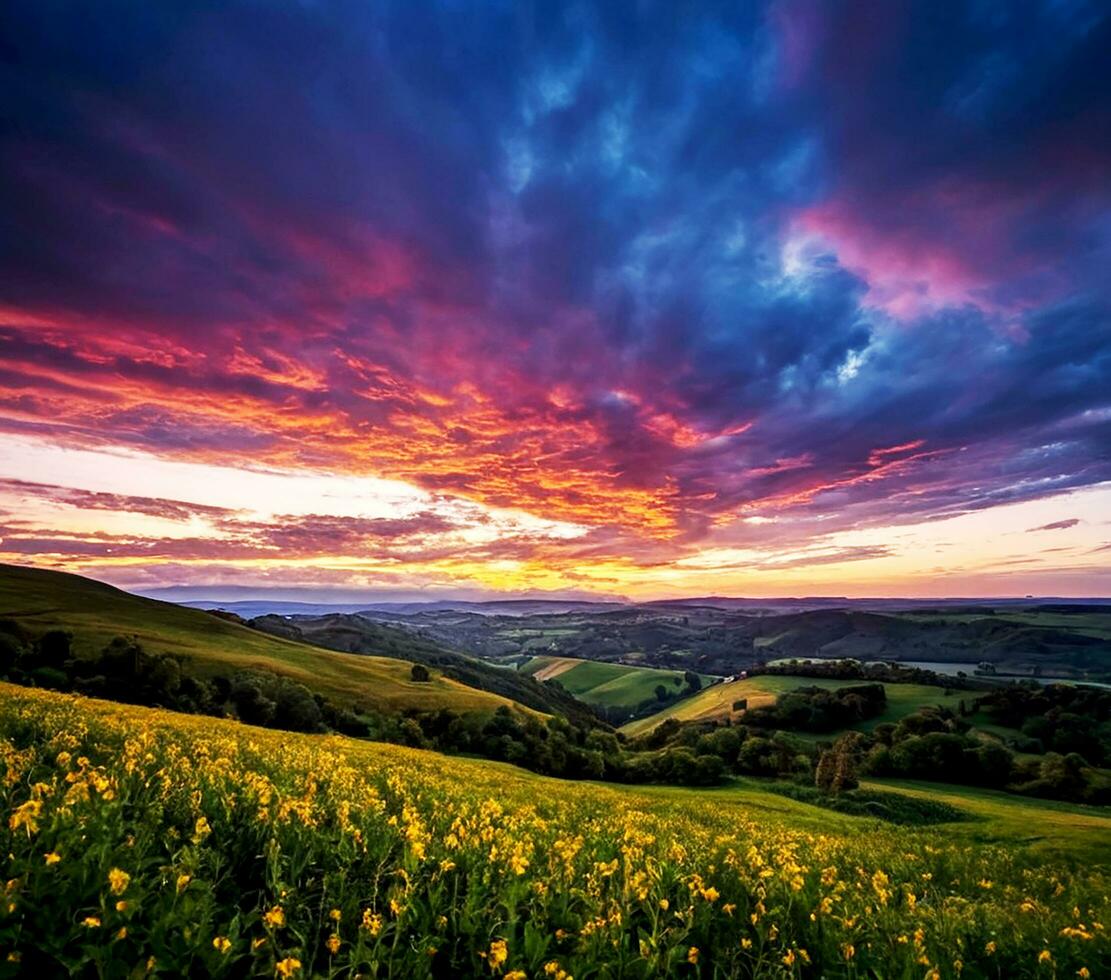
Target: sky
590 299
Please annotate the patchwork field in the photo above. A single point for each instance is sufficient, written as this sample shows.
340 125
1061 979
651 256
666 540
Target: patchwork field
607 684
717 701
223 850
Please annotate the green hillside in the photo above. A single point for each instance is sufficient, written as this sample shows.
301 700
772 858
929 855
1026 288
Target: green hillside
606 684
36 600
353 633
717 701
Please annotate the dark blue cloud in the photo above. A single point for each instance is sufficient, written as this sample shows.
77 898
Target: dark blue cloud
745 247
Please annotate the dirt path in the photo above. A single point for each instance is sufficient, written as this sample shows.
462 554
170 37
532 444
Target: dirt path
558 666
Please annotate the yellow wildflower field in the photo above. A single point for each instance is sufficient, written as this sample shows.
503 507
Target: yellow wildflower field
146 843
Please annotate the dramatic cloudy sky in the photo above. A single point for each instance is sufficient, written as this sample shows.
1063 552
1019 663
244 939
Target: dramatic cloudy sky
640 299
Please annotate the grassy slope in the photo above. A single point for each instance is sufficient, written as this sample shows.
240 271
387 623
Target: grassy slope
717 701
39 600
1054 830
1048 826
612 685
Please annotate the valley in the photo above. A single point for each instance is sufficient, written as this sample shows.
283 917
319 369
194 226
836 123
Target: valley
787 811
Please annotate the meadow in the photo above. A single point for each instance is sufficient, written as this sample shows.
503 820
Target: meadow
141 842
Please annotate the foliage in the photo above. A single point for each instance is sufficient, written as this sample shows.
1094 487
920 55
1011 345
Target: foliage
812 709
1061 718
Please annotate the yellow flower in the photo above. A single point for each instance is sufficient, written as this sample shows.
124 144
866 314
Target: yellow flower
118 881
26 816
287 967
746 943
990 948
1083 973
91 922
333 944
122 906
664 904
122 933
789 957
52 857
275 918
692 954
848 950
372 922
516 975
257 943
221 944
183 882
335 915
1045 956
201 830
710 894
499 952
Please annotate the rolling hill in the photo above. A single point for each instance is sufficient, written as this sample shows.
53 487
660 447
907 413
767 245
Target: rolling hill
1063 640
715 703
33 601
355 634
613 686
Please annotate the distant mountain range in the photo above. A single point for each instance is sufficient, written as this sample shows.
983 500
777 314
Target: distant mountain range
261 606
251 608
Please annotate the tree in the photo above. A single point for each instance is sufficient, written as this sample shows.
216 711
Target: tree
694 682
661 692
54 649
741 704
844 773
823 773
420 673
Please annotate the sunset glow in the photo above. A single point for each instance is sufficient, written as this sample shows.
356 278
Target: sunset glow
460 302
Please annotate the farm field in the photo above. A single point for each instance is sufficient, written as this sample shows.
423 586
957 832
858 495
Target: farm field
36 601
607 684
717 701
226 850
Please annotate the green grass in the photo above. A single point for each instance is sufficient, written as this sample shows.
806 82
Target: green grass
1049 827
717 701
39 600
609 685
